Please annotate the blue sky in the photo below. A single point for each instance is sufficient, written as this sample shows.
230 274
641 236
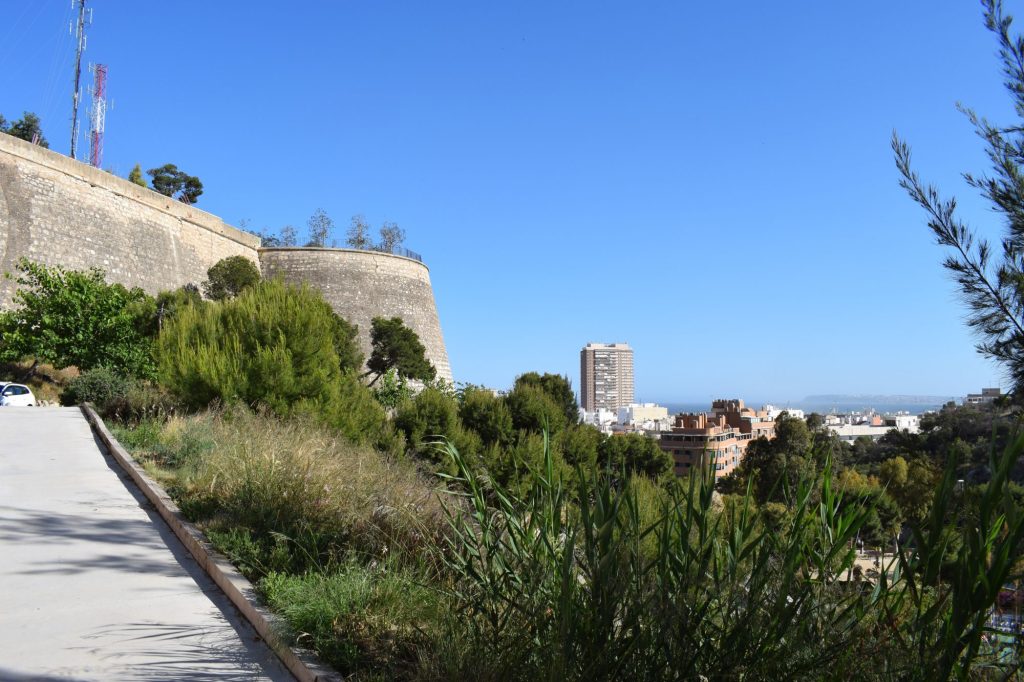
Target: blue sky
710 183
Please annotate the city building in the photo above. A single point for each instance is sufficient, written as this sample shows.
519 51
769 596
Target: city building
986 396
602 418
606 376
851 427
722 435
637 414
774 411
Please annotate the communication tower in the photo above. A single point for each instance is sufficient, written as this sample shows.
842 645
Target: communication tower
78 30
98 114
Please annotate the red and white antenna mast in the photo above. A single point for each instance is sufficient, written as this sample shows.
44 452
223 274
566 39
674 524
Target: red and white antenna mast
97 114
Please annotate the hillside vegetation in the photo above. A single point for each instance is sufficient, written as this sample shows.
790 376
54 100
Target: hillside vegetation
451 533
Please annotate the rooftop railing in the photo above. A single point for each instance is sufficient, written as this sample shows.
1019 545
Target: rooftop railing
397 251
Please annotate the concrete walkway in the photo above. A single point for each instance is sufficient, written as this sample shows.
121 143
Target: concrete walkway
93 585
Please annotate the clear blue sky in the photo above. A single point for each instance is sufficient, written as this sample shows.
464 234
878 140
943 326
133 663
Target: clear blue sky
711 183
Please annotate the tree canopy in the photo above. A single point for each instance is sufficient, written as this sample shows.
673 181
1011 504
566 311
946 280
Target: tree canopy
990 280
72 318
135 175
391 237
27 128
274 344
320 227
396 346
229 277
556 387
171 182
358 235
636 454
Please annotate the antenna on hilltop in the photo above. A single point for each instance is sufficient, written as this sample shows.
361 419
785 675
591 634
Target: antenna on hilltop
79 34
97 114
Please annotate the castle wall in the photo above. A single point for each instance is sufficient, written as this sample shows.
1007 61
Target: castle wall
361 285
59 211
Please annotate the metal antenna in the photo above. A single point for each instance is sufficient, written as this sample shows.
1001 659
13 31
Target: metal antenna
98 114
80 35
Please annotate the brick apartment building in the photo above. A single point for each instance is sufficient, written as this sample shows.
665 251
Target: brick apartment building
721 435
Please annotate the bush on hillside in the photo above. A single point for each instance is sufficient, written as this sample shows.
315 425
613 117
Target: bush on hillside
229 277
429 417
75 318
99 386
534 410
488 415
275 345
117 396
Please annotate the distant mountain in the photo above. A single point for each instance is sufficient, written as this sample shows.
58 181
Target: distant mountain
843 399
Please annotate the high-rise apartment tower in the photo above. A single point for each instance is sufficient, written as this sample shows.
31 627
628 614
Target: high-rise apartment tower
606 376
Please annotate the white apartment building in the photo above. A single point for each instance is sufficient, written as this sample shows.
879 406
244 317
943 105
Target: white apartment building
774 411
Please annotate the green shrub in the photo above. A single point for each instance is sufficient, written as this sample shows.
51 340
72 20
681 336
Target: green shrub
488 415
74 318
274 345
98 386
429 417
534 410
358 415
229 277
118 397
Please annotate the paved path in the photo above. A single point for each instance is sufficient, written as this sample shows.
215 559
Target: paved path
93 585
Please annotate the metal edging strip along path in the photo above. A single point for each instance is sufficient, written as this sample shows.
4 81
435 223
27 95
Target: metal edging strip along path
302 664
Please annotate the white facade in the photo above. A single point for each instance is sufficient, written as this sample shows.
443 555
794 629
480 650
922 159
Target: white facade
774 412
641 412
599 417
903 422
851 432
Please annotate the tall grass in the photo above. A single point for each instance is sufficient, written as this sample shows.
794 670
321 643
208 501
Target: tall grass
600 590
293 494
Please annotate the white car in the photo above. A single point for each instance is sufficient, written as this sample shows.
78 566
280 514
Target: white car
16 395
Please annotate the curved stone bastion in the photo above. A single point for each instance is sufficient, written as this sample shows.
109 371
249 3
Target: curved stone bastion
59 211
361 285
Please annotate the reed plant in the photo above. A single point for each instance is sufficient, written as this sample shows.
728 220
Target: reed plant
584 584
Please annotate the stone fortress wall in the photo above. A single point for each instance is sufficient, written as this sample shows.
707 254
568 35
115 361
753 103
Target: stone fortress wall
59 211
365 284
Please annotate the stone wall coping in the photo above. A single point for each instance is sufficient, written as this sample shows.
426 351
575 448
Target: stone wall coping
334 249
304 665
125 188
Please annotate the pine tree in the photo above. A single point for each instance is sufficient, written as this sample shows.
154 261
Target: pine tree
991 283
